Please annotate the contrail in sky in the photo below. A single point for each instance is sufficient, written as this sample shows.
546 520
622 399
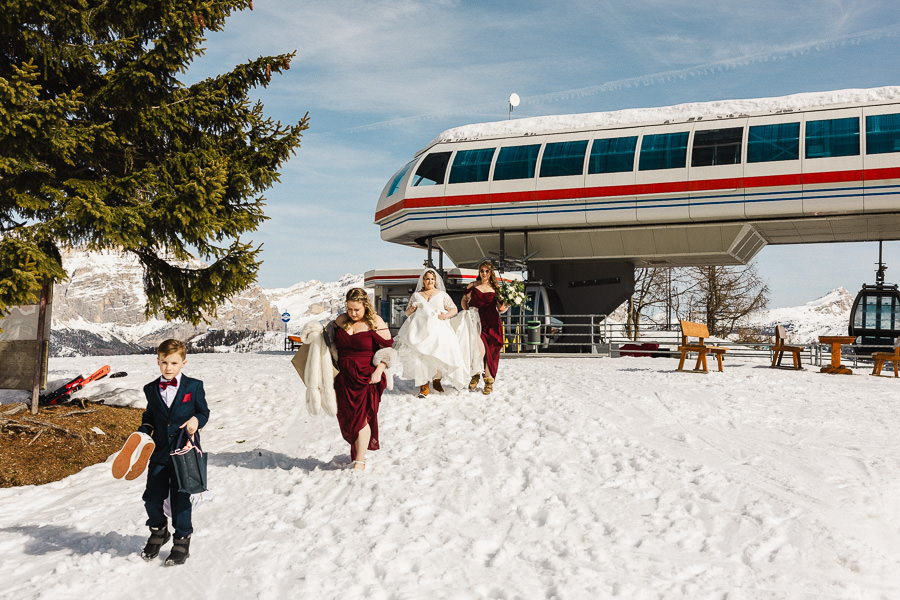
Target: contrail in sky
709 68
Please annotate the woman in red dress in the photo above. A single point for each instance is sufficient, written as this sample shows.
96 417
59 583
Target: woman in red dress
482 295
358 337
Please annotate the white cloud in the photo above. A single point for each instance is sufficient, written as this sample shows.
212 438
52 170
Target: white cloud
382 78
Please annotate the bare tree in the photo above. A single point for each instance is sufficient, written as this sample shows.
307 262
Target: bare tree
724 295
651 289
720 296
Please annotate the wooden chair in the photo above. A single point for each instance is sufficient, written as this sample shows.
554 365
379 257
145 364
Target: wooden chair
882 357
780 348
295 342
701 332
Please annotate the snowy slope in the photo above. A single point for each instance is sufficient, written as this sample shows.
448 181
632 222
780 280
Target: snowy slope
580 478
312 300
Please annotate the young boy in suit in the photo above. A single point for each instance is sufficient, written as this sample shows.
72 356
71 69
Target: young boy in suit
174 401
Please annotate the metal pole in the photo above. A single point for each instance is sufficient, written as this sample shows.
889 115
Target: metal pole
668 298
592 335
525 254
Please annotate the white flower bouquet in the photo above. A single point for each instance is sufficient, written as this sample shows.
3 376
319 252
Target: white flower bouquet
512 293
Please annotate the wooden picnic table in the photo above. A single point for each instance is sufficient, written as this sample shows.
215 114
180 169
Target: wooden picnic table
836 341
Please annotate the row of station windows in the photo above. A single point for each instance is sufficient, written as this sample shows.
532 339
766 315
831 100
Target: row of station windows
765 143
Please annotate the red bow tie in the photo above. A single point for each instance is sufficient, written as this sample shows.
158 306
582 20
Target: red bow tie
163 384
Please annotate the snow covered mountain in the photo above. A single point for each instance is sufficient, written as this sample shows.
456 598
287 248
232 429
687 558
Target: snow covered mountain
828 315
100 311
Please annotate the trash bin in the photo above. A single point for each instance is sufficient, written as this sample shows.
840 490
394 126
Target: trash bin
533 332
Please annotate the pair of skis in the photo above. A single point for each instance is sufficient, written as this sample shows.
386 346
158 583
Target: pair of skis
63 394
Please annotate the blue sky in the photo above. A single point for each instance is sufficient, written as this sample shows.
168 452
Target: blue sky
380 79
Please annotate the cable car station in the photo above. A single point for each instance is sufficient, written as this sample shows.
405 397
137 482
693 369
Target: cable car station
579 201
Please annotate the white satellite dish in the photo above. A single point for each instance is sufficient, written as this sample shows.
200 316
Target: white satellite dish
513 101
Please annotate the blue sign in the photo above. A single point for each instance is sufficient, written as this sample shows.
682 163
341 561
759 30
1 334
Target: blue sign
285 317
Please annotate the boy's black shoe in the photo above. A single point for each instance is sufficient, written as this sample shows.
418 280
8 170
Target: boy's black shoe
180 551
158 537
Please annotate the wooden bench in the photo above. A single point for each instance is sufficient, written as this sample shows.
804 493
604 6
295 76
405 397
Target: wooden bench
699 331
780 348
882 357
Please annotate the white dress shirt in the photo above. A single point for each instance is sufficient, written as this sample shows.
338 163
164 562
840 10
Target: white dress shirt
168 394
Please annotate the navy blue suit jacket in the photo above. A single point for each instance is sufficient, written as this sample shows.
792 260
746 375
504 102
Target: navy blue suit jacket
162 422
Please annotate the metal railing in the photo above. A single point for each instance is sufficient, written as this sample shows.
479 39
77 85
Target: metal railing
552 333
591 333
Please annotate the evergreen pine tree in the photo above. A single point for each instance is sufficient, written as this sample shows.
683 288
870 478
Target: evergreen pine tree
102 147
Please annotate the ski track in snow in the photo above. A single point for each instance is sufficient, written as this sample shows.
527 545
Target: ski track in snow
577 478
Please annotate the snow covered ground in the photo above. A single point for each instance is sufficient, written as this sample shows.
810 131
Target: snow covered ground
582 477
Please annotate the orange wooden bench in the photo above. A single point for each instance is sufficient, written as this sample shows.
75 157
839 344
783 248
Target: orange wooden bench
780 348
882 357
295 342
701 332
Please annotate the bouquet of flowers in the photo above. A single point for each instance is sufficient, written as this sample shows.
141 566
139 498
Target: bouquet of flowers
512 293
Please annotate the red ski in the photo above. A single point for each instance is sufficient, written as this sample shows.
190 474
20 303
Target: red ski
63 394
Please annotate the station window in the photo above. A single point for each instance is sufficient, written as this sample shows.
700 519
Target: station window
432 169
516 162
772 143
663 151
563 158
717 147
882 134
395 182
832 137
612 155
471 165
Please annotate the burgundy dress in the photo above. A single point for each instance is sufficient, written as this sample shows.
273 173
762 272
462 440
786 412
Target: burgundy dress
491 328
357 399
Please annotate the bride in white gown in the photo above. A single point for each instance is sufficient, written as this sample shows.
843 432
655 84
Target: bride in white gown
428 347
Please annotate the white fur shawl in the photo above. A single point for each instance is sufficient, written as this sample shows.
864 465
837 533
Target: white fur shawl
386 356
319 372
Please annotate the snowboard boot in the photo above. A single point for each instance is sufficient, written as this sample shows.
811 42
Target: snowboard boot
158 537
423 391
488 385
180 551
474 383
436 384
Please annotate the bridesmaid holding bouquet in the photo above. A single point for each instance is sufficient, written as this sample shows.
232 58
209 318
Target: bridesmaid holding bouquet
483 296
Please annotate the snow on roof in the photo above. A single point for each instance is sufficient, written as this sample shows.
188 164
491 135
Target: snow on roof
678 113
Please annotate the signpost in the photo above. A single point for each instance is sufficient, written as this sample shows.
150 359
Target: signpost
285 317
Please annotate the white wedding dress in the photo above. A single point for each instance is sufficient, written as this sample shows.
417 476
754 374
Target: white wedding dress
428 347
467 325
